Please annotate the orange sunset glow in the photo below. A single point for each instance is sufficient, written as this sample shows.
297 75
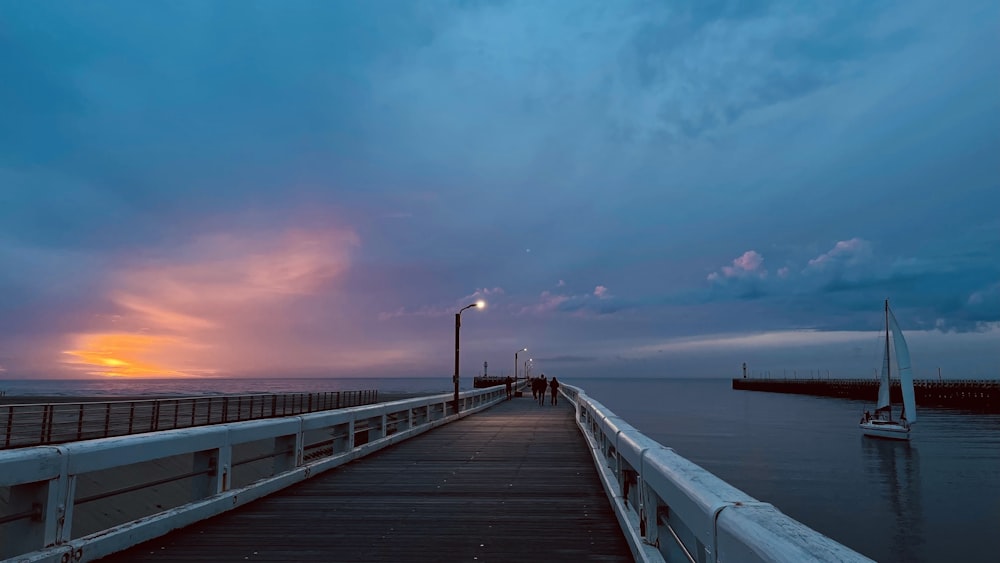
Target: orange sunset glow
212 308
122 355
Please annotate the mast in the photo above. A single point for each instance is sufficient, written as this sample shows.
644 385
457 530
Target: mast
888 359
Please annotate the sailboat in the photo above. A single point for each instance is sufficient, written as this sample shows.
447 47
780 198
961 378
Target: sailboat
880 424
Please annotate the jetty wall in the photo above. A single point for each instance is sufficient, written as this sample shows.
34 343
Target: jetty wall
960 393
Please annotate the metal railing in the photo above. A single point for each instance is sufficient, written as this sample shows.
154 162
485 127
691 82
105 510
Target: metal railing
56 423
207 468
669 508
673 510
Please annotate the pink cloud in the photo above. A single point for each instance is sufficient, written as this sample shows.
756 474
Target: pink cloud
850 252
485 294
547 302
750 263
601 292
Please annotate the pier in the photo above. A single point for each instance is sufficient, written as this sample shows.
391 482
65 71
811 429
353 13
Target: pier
418 479
514 483
963 394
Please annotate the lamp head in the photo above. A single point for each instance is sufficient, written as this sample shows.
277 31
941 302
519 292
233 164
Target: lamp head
480 304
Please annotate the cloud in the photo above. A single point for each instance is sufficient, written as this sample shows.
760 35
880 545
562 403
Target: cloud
219 289
845 253
547 303
772 339
749 264
485 294
599 302
566 359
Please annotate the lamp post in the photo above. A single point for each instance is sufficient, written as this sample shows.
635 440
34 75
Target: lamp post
515 364
458 325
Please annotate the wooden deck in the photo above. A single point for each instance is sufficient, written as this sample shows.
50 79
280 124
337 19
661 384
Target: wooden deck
513 483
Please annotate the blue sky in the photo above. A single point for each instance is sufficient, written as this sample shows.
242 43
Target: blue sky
636 188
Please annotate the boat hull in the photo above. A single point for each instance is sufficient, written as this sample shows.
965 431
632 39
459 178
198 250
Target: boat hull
889 431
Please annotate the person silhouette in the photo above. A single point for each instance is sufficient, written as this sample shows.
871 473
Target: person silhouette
554 386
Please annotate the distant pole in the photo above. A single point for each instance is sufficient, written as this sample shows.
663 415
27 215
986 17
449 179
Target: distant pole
515 364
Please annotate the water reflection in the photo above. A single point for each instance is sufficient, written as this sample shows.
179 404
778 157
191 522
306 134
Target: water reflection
895 466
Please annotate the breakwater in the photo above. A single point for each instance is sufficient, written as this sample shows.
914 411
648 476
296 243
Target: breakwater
956 393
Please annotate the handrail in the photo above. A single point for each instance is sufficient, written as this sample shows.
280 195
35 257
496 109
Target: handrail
671 509
38 424
36 525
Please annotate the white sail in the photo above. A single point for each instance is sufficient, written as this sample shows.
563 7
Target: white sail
905 373
883 383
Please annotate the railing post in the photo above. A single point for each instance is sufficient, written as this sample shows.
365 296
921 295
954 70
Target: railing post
287 452
45 418
79 424
27 534
48 503
107 420
154 422
10 425
52 412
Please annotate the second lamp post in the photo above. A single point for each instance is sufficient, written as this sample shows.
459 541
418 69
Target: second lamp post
515 364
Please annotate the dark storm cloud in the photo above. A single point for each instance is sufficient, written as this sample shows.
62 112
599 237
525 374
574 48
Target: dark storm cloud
713 166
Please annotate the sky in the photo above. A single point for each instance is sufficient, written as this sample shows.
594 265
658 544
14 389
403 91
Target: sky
635 188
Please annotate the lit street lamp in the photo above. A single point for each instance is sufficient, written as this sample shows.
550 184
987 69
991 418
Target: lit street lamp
458 324
515 364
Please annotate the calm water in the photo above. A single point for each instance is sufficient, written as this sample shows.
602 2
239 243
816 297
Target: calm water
934 499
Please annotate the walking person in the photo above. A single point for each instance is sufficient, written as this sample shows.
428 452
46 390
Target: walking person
542 385
554 386
510 390
534 388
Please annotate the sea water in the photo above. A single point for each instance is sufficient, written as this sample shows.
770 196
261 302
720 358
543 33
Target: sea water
935 498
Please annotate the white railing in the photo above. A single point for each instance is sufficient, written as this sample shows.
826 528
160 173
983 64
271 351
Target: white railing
201 472
673 510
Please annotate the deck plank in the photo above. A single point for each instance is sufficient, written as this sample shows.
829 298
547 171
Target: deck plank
513 483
